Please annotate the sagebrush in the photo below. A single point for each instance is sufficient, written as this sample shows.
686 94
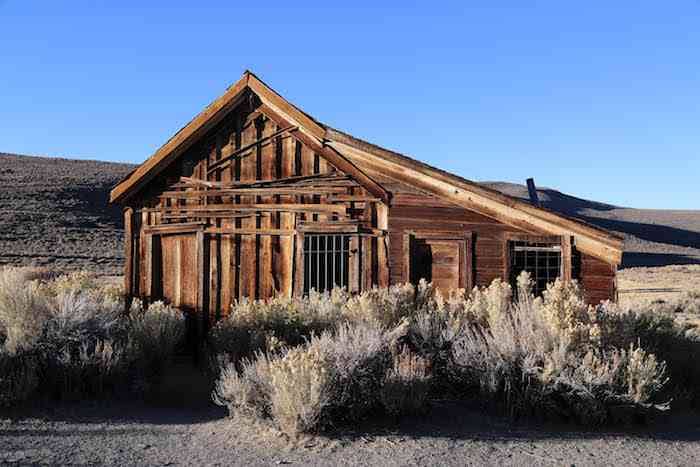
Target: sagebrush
391 350
68 337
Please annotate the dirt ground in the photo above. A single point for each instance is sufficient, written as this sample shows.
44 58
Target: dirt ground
98 434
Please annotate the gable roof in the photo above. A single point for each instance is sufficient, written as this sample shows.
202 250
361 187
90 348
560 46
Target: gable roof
363 161
308 130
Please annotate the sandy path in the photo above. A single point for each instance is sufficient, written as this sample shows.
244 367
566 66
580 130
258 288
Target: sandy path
450 435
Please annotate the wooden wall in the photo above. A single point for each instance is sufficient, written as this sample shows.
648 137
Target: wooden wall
227 219
426 213
415 211
233 210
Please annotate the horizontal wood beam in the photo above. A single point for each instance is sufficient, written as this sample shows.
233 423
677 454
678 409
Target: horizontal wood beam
327 208
298 180
254 191
233 231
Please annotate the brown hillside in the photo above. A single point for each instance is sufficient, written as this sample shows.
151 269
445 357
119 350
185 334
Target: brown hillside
54 212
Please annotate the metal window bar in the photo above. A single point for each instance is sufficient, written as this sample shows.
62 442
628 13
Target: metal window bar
326 261
541 260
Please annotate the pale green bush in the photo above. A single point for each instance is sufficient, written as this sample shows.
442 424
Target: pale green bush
300 384
67 336
23 310
246 392
392 349
360 356
154 334
330 379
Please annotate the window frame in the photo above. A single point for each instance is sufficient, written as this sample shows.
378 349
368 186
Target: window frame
565 243
353 257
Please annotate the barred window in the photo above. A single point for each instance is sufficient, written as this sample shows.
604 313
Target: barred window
541 259
326 261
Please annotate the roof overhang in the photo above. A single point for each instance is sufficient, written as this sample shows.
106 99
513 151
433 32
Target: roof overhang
373 159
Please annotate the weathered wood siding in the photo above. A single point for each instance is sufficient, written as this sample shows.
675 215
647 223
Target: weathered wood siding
225 221
598 279
414 211
418 212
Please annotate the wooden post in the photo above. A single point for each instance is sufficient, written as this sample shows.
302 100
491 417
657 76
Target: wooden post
149 267
128 256
298 264
566 266
201 284
354 274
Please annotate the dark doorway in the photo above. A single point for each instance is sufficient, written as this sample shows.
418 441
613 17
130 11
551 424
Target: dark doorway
421 261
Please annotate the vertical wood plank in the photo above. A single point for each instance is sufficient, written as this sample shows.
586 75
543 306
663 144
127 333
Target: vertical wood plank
267 165
299 264
201 285
406 256
177 269
566 266
354 279
286 270
128 254
383 261
150 270
248 270
366 262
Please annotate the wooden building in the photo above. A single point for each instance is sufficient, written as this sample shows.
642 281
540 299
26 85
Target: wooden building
255 197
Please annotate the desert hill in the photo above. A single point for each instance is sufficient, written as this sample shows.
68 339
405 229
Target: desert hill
653 237
54 212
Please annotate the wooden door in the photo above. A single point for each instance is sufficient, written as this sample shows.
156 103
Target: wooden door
178 280
441 258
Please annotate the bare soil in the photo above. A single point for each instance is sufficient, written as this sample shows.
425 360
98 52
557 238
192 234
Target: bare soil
452 434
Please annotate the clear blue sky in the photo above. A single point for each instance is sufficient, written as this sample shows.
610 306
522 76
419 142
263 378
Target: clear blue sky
598 100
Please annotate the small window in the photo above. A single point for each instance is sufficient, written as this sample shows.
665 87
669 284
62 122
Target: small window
326 261
541 259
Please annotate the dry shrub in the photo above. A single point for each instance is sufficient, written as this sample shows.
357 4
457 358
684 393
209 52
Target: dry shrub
84 343
67 336
360 358
549 356
331 379
154 334
300 387
406 386
23 310
246 392
19 378
267 325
